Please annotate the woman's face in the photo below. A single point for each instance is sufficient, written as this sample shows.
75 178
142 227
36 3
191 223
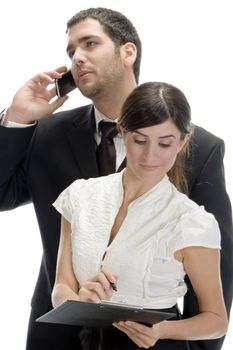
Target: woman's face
152 151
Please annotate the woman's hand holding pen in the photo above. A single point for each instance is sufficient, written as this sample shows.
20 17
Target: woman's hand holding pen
99 287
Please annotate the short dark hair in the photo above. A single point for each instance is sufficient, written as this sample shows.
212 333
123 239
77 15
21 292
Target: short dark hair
117 26
153 103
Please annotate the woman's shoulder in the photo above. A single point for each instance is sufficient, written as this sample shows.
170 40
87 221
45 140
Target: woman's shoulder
189 210
96 185
97 181
195 225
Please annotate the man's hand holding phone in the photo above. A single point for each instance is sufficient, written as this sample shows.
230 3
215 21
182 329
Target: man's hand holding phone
33 101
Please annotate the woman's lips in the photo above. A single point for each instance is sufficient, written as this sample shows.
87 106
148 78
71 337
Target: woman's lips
149 167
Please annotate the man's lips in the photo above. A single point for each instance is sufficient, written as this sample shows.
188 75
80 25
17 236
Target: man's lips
83 73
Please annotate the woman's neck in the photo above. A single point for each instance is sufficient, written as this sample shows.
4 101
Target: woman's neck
134 187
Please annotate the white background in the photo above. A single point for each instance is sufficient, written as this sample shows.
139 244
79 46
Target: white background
186 43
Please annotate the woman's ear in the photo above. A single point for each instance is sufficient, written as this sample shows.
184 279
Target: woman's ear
129 53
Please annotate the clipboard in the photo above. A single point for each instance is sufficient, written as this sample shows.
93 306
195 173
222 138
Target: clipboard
102 314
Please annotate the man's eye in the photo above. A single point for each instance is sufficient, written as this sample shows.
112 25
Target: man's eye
90 43
70 54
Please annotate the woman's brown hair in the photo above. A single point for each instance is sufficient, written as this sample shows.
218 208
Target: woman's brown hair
153 103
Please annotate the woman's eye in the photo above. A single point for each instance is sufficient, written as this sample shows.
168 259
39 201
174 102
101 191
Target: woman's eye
164 145
140 142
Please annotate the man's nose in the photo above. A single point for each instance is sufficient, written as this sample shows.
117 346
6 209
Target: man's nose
78 57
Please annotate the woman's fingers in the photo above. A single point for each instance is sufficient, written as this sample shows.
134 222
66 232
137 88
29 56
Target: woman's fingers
143 336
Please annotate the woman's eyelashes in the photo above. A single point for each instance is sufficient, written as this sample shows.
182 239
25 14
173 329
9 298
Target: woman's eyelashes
161 144
140 142
164 145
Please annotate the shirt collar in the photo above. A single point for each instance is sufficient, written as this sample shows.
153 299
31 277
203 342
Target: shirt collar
100 116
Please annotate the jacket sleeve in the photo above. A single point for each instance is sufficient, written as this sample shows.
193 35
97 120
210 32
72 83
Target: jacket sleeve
14 145
207 188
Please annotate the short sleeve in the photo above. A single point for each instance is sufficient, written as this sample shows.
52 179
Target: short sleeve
197 228
66 202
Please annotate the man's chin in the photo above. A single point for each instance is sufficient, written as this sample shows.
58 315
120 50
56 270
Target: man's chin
89 93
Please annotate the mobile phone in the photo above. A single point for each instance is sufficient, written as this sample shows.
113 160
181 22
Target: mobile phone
65 84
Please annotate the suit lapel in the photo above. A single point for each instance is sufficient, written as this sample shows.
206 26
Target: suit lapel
82 142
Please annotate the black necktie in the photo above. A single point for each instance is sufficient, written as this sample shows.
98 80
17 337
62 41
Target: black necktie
106 153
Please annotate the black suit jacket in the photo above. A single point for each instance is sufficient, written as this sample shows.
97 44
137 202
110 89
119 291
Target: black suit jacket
37 163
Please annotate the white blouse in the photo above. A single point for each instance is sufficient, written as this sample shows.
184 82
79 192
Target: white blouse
157 224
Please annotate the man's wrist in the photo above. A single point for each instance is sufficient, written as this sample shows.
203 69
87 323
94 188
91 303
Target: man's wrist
3 117
10 124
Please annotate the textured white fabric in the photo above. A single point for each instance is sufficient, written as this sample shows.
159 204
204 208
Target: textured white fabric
142 254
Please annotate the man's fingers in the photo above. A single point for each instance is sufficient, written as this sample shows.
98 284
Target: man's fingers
61 69
58 103
46 78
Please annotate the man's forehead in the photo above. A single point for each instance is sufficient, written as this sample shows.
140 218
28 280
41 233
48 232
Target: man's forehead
86 29
90 25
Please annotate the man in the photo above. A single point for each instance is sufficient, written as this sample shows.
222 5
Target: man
41 159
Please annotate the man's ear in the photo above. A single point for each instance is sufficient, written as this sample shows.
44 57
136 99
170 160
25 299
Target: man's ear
129 53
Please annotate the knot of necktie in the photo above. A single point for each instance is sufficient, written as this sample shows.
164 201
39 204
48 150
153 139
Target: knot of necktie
108 129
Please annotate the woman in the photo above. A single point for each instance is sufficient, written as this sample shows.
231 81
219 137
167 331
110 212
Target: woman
136 230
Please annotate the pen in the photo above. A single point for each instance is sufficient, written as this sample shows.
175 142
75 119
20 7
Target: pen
113 285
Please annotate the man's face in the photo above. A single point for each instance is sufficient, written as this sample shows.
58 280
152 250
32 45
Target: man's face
97 64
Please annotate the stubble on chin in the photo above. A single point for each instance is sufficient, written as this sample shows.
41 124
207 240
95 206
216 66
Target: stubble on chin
90 91
106 83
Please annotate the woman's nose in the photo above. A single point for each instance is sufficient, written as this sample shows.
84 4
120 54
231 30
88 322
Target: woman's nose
151 152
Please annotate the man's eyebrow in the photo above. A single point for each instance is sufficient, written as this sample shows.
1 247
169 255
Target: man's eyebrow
81 40
161 137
